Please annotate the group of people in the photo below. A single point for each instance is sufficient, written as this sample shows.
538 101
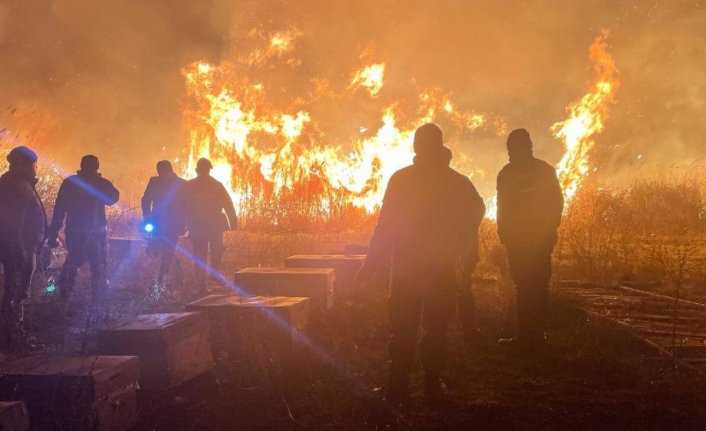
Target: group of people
170 205
428 227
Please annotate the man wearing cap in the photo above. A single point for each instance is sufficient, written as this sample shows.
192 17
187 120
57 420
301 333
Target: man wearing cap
81 200
22 225
209 212
530 204
163 218
428 224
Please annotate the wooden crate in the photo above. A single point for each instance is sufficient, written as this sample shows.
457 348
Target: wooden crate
345 266
355 249
93 393
13 416
314 283
173 347
242 325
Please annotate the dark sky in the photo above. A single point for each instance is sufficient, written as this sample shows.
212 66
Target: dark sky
105 75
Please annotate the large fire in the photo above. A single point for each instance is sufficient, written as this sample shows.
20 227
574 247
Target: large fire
586 118
267 153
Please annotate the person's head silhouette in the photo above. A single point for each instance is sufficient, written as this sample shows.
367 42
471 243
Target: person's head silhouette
90 164
428 139
203 167
519 145
164 168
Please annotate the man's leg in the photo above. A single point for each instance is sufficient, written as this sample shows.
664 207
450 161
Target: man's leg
76 255
530 268
19 269
404 308
217 249
438 308
466 309
167 250
97 252
200 255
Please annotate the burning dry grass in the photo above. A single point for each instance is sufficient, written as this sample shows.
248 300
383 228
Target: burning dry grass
653 231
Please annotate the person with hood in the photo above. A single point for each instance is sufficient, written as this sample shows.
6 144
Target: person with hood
22 225
162 216
530 204
209 213
428 226
81 201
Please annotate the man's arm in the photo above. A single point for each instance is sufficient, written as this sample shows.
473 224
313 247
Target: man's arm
148 199
60 209
475 213
556 199
383 237
229 208
108 194
501 204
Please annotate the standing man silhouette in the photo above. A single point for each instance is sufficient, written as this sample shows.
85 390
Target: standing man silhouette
427 222
81 200
22 225
530 204
209 212
162 216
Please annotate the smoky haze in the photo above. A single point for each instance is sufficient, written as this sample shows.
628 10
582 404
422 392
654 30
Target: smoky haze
104 77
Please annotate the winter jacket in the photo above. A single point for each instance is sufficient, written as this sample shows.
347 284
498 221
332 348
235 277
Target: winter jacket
81 200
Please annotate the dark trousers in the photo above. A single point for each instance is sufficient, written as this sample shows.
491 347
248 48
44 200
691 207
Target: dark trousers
85 247
203 242
18 267
164 246
429 300
466 307
531 269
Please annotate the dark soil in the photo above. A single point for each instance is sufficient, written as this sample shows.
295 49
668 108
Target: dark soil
591 376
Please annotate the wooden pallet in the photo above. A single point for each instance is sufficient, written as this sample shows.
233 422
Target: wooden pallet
675 327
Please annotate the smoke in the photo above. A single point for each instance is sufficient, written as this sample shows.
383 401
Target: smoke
104 77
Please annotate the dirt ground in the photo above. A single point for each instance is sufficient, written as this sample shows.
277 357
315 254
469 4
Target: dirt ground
592 377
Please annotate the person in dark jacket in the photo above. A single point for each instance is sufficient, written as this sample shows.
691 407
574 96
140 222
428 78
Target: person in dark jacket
428 225
163 218
81 200
205 200
22 225
530 204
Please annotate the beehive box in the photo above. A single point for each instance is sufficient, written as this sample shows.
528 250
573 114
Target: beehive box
355 249
92 393
241 325
345 268
314 283
173 347
13 416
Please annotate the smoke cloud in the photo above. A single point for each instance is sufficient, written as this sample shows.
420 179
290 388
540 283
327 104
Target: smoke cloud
104 77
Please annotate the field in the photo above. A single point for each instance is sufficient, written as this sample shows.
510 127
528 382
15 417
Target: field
650 235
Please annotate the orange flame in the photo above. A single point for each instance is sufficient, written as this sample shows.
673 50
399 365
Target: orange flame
586 119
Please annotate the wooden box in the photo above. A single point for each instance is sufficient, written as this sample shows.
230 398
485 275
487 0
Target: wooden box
241 325
345 267
173 347
355 249
96 393
13 416
314 283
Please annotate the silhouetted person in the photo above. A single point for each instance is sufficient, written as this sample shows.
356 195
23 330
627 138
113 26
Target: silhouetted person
530 203
426 224
81 200
22 225
204 201
161 211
